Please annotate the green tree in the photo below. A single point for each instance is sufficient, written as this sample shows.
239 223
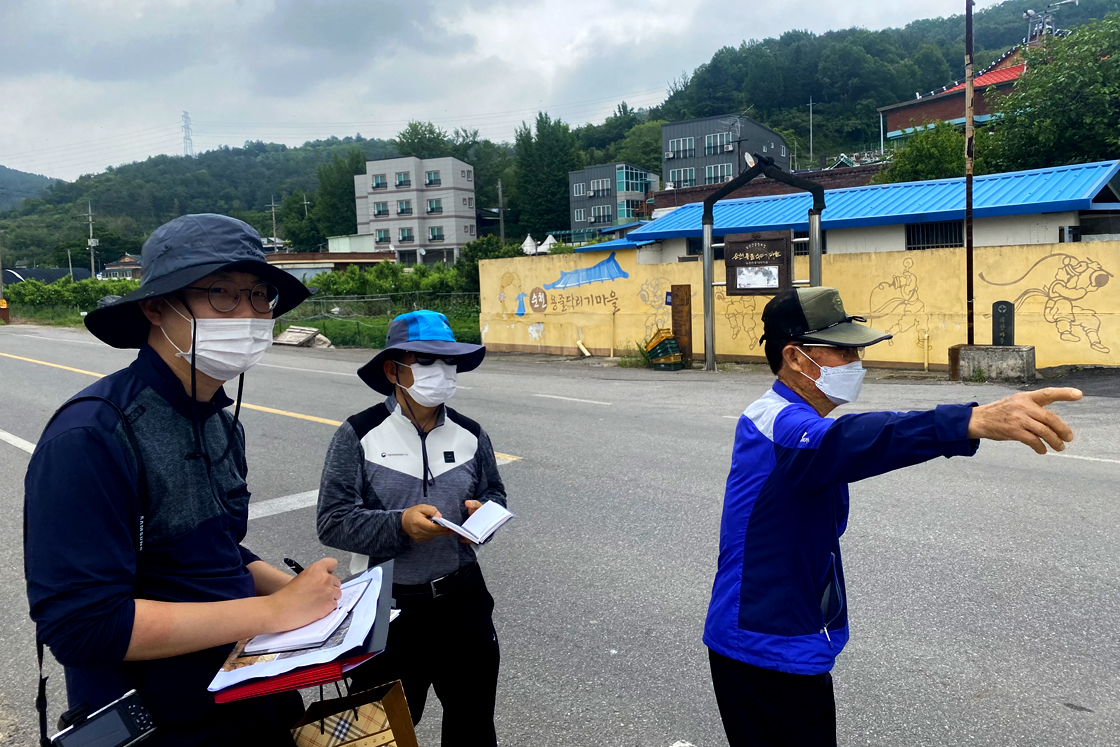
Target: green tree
300 229
423 140
336 213
936 152
1066 107
642 146
543 163
485 247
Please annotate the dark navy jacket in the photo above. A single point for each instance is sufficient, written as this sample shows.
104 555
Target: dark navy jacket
778 601
81 515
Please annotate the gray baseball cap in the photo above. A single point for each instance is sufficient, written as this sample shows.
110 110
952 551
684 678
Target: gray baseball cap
816 315
182 252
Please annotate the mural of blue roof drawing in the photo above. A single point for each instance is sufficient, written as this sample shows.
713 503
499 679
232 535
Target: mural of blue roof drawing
606 270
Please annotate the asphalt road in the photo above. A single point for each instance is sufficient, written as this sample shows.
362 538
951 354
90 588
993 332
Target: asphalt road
984 593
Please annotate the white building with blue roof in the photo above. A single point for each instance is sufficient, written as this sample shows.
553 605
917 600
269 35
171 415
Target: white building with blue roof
1080 202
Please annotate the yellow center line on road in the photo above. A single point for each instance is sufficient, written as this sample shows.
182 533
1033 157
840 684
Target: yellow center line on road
246 405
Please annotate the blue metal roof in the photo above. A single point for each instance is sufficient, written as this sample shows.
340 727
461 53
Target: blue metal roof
1015 193
624 243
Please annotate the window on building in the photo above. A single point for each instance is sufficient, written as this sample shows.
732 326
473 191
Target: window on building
683 177
435 206
463 173
630 209
630 179
942 235
380 209
431 179
471 227
404 179
404 207
684 147
720 172
600 187
579 215
380 182
383 236
470 202
470 175
601 213
404 235
467 229
579 190
784 151
435 233
714 144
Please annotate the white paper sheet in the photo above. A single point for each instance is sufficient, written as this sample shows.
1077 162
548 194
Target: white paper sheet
312 634
270 665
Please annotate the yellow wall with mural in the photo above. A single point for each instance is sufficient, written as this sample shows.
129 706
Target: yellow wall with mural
1066 295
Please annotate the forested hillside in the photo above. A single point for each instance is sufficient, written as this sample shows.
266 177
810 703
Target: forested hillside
16 185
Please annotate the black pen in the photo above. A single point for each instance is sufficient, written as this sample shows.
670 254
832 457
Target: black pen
293 565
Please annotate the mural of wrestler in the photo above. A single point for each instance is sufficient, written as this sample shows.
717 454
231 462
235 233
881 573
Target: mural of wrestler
652 294
897 300
1074 280
509 293
740 314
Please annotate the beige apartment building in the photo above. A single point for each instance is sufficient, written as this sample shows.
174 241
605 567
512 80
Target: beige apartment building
423 209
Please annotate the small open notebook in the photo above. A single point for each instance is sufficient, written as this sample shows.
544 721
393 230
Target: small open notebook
312 634
483 523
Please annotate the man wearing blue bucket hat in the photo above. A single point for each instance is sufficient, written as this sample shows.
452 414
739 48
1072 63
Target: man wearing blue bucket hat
389 471
136 501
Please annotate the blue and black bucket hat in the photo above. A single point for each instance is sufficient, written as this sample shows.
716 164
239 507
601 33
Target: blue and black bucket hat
420 332
182 252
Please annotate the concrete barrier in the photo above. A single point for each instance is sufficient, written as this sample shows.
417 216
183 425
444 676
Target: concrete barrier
994 363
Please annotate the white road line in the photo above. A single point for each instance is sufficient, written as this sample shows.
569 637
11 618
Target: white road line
1088 459
274 506
307 370
57 339
572 399
17 442
732 417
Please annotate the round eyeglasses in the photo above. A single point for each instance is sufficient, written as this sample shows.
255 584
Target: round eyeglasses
225 295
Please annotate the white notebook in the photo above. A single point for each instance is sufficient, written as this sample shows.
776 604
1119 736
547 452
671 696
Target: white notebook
483 523
312 634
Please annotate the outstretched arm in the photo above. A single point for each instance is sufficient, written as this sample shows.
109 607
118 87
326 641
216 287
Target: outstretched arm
1023 417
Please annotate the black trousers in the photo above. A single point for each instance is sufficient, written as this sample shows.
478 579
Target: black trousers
766 708
447 643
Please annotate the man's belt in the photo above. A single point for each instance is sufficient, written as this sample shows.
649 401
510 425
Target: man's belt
437 588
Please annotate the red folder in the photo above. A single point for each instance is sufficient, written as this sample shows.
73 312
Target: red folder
320 674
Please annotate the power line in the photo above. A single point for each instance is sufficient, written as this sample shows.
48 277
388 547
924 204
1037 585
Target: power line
84 143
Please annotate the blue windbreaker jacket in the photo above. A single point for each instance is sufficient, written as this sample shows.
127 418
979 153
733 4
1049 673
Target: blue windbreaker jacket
778 600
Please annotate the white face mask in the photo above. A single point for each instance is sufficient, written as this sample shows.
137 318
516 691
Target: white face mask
841 384
431 385
226 348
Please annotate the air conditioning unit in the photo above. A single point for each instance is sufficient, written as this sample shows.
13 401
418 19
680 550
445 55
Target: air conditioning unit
728 148
668 154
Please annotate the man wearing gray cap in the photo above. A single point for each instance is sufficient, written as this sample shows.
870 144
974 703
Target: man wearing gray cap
778 615
136 501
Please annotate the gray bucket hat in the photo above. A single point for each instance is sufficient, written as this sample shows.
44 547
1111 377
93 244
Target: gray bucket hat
816 315
179 253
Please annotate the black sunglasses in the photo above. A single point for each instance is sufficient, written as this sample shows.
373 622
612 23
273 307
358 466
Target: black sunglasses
427 360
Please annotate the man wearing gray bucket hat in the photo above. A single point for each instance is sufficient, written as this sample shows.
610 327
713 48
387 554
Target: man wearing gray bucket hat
389 471
136 501
778 615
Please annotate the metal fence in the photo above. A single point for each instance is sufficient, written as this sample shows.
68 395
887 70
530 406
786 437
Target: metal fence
388 305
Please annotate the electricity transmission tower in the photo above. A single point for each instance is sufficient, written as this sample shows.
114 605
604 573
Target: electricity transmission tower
188 144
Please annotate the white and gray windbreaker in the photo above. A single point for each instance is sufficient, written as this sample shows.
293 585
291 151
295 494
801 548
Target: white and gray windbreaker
378 465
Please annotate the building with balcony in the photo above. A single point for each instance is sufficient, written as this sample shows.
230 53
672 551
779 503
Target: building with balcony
607 195
711 150
423 209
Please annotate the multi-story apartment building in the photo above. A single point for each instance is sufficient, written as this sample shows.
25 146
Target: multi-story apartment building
422 208
711 150
608 195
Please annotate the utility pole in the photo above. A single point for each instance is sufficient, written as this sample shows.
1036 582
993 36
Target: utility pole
501 215
305 204
810 132
969 153
92 242
273 206
2 268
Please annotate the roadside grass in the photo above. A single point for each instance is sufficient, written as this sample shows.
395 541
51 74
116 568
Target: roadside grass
635 357
54 316
370 332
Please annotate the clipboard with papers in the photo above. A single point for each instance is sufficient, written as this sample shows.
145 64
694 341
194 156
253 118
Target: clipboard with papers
358 636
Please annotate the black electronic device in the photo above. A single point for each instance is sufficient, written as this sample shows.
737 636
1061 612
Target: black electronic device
123 722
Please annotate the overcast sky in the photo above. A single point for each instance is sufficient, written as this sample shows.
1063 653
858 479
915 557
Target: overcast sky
85 84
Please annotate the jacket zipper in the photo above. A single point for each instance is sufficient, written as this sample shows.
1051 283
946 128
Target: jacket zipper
424 451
